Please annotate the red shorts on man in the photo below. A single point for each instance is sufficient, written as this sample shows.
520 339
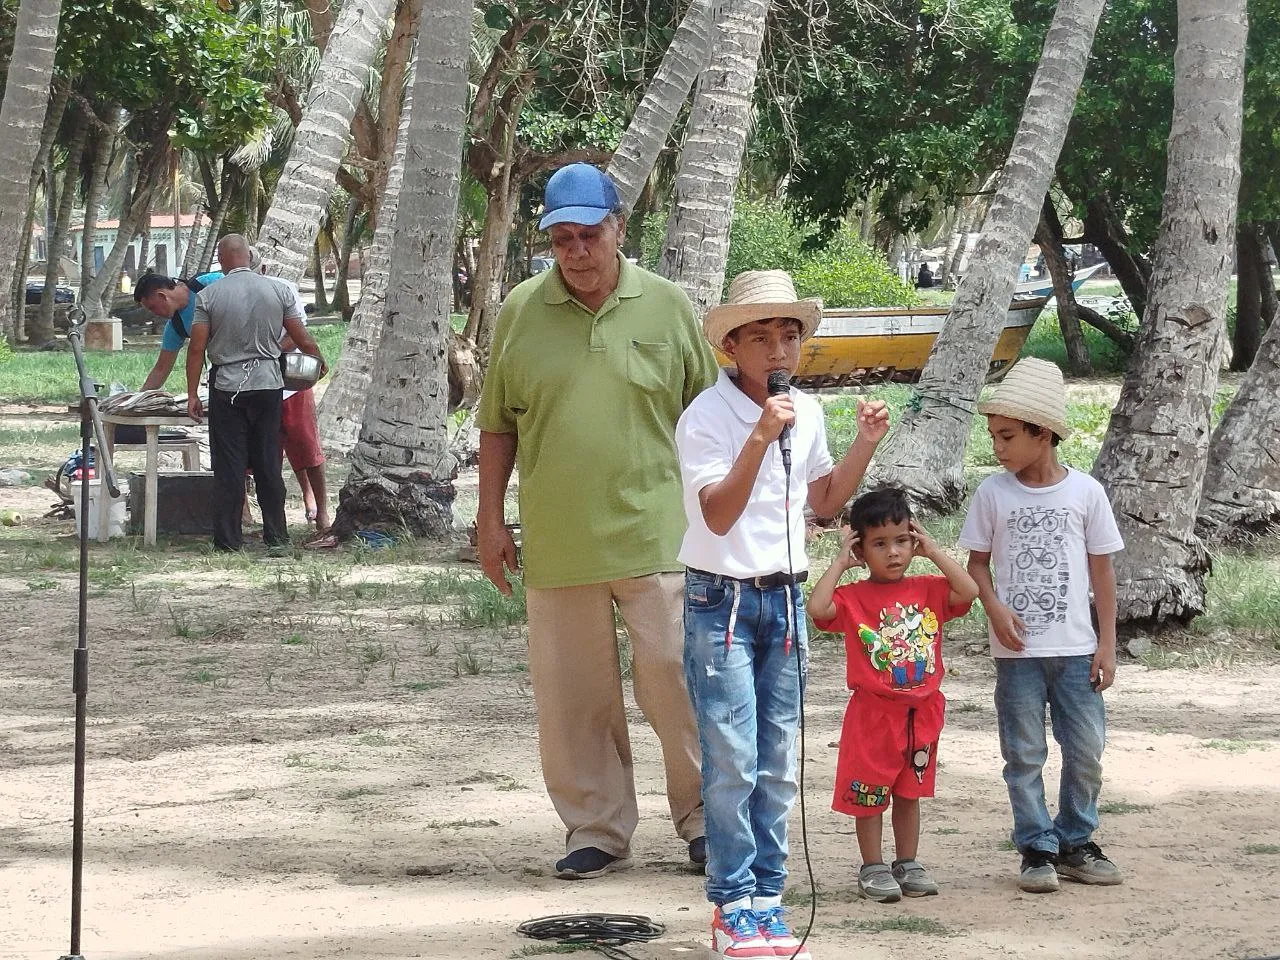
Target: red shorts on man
887 748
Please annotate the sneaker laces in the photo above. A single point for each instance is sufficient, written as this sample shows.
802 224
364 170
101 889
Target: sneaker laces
772 924
744 923
1038 858
1090 850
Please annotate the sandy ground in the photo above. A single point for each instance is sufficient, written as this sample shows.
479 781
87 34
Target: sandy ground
306 758
265 786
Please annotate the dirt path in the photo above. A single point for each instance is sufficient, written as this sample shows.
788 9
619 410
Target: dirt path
261 786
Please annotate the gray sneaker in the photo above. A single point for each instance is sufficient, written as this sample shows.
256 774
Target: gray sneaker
875 882
1038 874
914 879
1088 864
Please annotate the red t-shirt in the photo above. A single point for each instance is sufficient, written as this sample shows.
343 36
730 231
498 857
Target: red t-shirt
893 635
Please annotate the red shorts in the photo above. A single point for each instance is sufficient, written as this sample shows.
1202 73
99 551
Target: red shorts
886 749
298 434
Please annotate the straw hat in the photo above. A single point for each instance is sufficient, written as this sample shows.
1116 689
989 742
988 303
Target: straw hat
1032 392
760 295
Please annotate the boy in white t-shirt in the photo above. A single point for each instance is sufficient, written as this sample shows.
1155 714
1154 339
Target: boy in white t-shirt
744 611
1047 533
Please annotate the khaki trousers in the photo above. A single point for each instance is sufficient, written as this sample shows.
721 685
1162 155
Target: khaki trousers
582 724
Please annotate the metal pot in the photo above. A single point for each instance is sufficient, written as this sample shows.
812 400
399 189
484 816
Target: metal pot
301 371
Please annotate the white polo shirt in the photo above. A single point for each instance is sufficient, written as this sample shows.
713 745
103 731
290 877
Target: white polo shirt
709 436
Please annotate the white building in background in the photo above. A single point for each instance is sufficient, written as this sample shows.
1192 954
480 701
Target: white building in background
164 254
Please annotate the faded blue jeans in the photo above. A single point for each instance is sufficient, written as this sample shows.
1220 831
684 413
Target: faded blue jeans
1024 686
746 696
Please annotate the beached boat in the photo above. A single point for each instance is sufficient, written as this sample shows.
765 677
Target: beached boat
873 345
1044 286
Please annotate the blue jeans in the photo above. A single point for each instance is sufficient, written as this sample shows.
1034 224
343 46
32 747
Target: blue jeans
746 696
1024 686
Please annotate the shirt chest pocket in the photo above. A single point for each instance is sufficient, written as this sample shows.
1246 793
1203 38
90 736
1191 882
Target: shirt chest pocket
649 365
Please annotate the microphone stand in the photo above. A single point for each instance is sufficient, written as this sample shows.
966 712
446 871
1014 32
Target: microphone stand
90 427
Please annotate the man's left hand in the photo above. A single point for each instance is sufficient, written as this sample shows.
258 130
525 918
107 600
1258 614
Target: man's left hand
873 420
195 409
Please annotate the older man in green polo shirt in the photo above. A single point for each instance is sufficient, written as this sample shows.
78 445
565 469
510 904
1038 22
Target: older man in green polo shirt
592 364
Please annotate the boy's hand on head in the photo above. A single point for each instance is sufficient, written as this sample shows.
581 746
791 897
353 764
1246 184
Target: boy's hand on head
923 544
1103 671
1007 626
873 420
847 558
778 412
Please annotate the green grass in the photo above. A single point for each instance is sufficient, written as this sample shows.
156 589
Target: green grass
901 923
478 602
1123 806
49 376
1235 745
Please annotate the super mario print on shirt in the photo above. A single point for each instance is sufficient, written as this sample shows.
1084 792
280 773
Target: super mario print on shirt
893 634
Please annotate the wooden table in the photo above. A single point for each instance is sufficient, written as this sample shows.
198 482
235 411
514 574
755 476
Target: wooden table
190 461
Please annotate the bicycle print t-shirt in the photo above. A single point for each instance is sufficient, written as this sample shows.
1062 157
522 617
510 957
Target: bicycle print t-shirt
1040 539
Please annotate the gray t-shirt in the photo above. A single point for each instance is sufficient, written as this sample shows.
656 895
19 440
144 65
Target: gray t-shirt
245 312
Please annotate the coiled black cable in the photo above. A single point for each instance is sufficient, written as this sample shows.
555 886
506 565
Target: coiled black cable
603 932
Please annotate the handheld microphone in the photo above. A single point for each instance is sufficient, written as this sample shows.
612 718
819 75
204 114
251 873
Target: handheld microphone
780 382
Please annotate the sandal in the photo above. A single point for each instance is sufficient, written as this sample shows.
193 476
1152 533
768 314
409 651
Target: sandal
325 541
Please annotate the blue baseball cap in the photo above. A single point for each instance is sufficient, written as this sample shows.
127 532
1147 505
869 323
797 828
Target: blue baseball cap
578 193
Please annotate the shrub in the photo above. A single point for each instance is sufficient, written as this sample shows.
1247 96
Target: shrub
847 272
765 236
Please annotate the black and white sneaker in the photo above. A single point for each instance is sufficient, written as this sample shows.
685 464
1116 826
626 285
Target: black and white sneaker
588 863
1088 864
1038 873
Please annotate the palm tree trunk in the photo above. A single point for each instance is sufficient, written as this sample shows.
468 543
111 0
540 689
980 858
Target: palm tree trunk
42 331
341 409
317 269
402 470
195 242
1104 230
149 167
1240 501
310 175
342 251
103 146
1250 266
1049 237
697 245
1154 456
22 116
653 118
925 454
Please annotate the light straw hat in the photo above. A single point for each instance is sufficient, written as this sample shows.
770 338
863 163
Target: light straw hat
760 295
1032 392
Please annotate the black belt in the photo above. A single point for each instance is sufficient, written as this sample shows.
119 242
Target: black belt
769 581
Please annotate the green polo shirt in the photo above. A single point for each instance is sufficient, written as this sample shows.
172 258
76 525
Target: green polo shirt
593 399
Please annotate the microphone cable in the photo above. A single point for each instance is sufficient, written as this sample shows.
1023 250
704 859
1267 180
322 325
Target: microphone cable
603 932
804 825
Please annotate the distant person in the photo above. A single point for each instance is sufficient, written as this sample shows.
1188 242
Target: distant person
925 277
175 299
1040 538
299 432
892 626
238 321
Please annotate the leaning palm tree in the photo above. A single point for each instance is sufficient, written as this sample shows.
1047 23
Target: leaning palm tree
310 175
1154 455
26 98
402 470
697 245
1240 499
925 454
656 113
342 408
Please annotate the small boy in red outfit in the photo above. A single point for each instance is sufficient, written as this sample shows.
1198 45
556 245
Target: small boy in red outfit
892 626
